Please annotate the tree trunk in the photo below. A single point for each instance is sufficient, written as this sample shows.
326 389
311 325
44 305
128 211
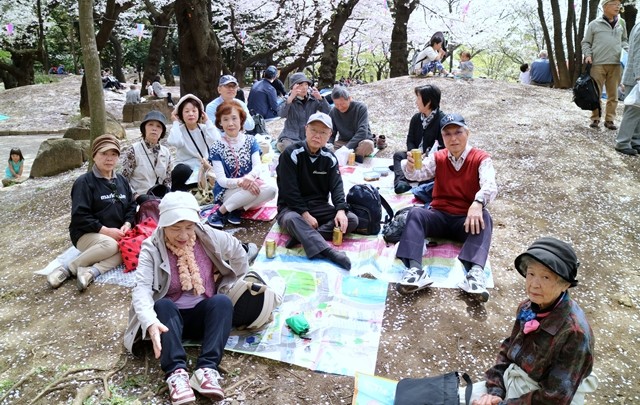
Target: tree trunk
92 69
167 66
161 21
398 64
110 17
330 42
42 44
199 61
117 64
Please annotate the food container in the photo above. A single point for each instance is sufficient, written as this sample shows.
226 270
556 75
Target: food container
384 171
371 176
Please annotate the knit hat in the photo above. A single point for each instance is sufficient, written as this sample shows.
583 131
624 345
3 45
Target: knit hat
271 72
298 78
321 117
555 254
104 143
154 116
179 176
178 206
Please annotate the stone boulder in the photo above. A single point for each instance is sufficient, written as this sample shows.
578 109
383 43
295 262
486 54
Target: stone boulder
136 112
83 130
57 155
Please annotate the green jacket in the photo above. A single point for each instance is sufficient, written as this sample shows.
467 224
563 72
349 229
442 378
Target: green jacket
603 43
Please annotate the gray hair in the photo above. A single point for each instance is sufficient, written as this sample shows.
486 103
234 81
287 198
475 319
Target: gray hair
340 92
543 54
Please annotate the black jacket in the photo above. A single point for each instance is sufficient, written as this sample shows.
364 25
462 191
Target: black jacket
424 138
94 205
303 182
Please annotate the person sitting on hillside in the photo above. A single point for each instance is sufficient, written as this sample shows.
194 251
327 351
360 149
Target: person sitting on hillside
263 98
540 72
525 74
147 163
192 134
424 132
158 91
228 88
302 102
307 175
465 183
102 211
350 124
235 160
110 82
430 59
133 95
465 68
548 358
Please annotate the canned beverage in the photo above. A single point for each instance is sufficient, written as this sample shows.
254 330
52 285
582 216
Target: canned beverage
337 236
352 159
271 248
417 158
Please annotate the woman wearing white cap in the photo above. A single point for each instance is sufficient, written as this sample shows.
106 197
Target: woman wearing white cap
548 358
192 133
148 163
183 272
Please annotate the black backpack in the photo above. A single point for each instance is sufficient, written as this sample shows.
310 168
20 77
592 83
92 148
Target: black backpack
586 94
366 202
392 230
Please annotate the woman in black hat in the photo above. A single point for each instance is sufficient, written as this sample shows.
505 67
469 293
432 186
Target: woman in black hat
147 164
549 356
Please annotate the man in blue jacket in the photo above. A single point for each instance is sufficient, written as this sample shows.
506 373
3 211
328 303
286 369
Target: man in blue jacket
263 99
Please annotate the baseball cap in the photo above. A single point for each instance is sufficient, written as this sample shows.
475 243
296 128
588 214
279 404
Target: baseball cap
452 119
271 72
226 79
321 117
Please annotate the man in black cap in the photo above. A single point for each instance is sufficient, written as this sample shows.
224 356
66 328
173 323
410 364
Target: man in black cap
465 184
263 99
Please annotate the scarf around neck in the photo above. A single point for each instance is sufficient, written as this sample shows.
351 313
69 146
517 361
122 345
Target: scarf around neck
188 269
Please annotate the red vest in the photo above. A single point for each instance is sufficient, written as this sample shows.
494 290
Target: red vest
454 191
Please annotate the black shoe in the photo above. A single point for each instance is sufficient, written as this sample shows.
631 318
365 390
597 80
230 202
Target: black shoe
628 151
610 125
291 243
637 148
402 187
359 159
169 100
338 258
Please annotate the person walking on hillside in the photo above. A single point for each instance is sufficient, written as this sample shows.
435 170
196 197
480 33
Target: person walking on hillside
602 45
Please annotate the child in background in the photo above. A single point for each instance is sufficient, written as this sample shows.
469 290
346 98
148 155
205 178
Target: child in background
466 67
525 77
13 172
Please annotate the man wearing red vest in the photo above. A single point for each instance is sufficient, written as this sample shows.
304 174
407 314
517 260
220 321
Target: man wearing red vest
465 182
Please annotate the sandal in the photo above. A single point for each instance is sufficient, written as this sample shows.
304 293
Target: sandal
381 142
595 124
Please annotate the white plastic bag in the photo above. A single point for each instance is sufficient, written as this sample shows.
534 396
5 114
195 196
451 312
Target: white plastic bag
343 155
633 98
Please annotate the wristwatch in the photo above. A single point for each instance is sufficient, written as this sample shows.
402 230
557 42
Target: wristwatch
480 200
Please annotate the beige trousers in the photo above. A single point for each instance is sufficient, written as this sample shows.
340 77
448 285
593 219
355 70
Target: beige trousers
99 251
607 77
518 383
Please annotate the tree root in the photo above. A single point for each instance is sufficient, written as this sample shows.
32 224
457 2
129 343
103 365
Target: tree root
19 383
238 383
84 393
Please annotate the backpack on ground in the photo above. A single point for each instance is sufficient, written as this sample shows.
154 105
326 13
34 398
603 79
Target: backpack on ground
260 127
392 230
366 202
586 93
253 301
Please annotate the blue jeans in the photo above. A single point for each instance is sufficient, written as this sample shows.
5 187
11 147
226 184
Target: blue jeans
209 320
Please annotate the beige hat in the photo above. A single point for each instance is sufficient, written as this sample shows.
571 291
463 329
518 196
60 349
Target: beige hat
178 206
604 2
321 117
104 143
188 97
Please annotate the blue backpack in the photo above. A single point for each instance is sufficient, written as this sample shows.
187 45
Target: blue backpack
366 202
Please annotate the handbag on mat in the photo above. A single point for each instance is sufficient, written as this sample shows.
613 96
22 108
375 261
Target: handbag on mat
439 390
253 301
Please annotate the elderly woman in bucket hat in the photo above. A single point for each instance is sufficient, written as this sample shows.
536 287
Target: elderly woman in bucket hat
303 100
548 358
147 163
102 211
182 277
192 133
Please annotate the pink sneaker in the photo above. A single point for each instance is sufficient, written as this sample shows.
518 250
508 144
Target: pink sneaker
205 381
179 390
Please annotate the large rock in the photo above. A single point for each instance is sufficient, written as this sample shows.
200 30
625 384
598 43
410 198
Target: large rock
136 112
56 155
83 130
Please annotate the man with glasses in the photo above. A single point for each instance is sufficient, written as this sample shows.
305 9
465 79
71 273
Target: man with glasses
465 184
228 88
602 45
307 174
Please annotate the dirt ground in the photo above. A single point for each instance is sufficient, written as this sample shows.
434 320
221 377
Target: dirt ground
556 177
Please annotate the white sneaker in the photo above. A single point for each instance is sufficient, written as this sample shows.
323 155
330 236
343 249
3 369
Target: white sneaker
474 283
58 276
413 279
179 390
205 381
